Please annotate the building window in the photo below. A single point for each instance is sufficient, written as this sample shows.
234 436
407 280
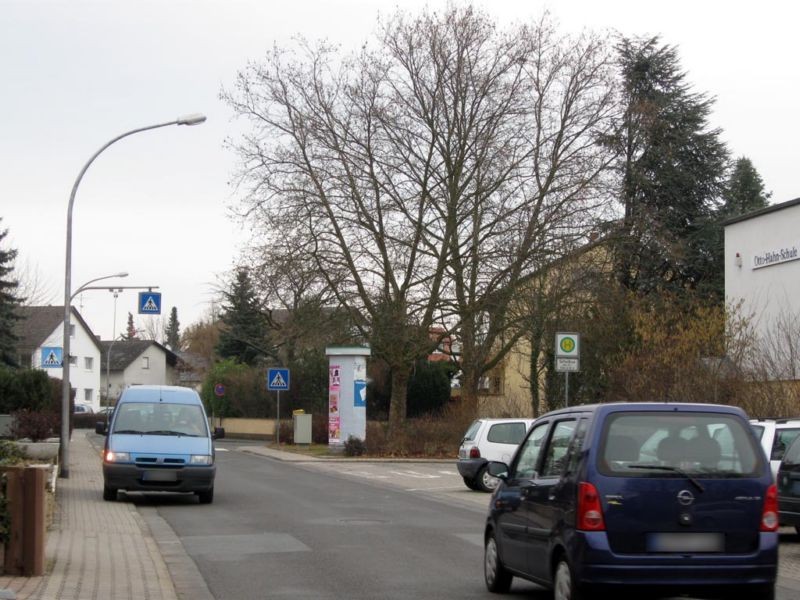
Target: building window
145 362
87 395
73 360
88 362
72 331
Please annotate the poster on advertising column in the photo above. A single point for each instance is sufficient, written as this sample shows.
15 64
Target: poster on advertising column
334 418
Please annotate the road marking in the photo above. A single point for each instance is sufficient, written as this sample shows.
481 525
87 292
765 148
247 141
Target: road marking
454 473
220 449
414 474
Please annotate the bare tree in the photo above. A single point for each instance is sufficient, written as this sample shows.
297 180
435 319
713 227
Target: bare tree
426 173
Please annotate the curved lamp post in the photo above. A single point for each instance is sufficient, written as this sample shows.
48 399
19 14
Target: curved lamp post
194 119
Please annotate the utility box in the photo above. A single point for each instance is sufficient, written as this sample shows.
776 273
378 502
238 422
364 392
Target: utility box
302 428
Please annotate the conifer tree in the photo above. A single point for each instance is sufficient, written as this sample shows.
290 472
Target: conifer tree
172 334
9 303
244 331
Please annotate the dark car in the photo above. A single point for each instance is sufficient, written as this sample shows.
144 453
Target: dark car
677 496
789 487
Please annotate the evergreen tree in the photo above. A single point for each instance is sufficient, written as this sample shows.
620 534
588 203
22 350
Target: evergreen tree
172 334
744 190
9 302
673 169
130 331
244 331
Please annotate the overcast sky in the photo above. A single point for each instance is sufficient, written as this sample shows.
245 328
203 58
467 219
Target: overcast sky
75 74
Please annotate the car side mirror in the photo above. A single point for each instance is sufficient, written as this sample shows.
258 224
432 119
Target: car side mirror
100 428
498 469
218 433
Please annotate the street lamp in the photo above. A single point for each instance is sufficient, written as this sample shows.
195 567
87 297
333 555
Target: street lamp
193 119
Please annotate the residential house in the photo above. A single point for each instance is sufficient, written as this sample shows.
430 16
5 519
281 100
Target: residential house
136 362
41 334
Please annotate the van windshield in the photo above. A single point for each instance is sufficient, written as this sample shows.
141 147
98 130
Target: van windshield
678 445
160 418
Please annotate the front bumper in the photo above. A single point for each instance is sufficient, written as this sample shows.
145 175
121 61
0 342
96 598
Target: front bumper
184 479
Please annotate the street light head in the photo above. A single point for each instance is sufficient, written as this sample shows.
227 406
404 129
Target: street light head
122 274
193 119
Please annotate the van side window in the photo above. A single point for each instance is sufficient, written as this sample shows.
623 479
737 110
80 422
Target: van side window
555 461
528 457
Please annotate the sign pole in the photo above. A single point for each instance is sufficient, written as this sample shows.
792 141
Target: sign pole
278 420
566 388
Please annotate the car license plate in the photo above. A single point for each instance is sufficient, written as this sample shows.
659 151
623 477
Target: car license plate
159 476
685 542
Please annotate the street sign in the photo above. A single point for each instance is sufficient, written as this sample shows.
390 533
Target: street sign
278 379
149 303
568 365
568 345
51 357
219 390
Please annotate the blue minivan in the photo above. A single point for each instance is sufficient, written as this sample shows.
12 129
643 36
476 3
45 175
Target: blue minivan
158 440
673 495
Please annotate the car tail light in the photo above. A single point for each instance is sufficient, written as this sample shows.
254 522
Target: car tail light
769 517
590 511
474 452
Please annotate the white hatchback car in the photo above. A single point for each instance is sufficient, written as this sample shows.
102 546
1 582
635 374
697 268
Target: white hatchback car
776 436
489 440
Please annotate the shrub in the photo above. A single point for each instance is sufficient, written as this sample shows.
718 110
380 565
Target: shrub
354 446
34 425
10 453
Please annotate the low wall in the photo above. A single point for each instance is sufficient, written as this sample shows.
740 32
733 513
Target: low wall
257 429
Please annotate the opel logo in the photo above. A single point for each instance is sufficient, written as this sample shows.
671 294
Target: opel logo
685 497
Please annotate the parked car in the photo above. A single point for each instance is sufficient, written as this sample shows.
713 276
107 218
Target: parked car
585 505
776 436
788 482
158 440
83 409
487 440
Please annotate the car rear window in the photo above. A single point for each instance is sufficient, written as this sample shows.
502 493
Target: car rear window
472 431
784 437
792 454
656 444
506 433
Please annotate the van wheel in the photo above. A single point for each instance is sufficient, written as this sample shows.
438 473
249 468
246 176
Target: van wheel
498 579
484 481
109 493
206 497
564 585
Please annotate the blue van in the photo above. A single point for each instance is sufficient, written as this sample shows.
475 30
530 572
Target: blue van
678 496
158 440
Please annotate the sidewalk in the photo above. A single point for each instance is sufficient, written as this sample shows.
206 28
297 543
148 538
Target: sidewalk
100 550
103 550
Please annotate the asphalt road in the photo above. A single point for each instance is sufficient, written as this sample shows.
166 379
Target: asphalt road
281 530
336 530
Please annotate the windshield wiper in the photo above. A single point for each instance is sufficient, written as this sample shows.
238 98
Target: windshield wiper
691 479
134 431
169 432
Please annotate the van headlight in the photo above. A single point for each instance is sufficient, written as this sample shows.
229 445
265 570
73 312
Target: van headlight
201 459
118 457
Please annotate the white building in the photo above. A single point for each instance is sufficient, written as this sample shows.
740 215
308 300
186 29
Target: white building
136 362
41 335
762 272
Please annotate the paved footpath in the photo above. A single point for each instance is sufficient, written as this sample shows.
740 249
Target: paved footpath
105 550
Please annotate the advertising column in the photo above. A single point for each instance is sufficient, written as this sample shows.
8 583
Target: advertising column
347 393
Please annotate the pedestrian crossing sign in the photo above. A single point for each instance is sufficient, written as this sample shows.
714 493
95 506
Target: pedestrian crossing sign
278 379
149 303
51 357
